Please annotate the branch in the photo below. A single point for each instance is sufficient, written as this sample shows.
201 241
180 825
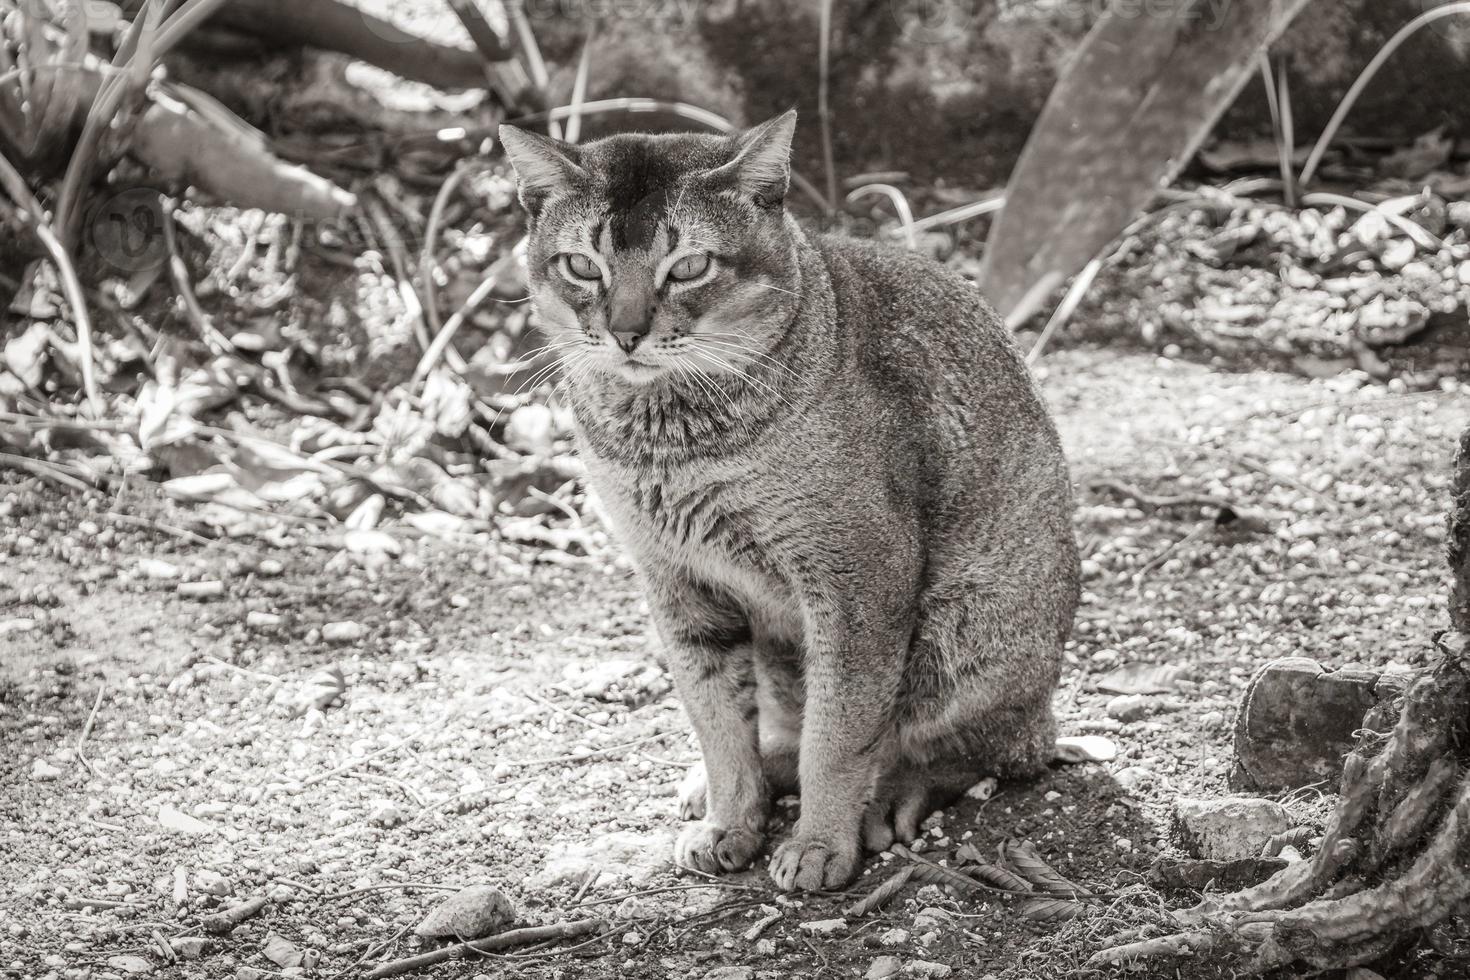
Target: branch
505 940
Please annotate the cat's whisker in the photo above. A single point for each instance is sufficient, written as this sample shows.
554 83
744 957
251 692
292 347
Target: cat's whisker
733 369
711 348
767 285
753 356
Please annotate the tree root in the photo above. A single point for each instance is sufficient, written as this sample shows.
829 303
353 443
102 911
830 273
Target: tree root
1376 878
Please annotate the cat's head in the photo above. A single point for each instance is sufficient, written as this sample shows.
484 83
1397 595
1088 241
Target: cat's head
660 256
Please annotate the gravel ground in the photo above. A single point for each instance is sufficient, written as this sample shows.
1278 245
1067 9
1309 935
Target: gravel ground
354 746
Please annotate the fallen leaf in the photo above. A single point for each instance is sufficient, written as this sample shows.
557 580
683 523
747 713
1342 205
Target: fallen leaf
1022 856
1051 909
1142 678
282 952
469 913
181 822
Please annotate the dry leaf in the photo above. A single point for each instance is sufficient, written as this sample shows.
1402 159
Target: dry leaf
1022 856
1051 909
282 952
321 689
1141 678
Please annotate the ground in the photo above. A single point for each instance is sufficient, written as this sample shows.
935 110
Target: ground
504 719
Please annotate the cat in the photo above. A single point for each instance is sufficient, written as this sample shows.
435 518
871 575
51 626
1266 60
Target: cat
846 502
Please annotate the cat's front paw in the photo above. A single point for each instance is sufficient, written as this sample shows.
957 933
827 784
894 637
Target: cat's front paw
705 847
814 864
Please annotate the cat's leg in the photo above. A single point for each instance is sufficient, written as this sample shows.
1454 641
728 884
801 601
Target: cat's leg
778 701
852 670
710 657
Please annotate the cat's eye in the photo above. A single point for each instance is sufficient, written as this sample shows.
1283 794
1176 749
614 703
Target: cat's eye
689 267
581 266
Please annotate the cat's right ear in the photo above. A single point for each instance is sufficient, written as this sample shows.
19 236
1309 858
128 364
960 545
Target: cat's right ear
762 165
543 165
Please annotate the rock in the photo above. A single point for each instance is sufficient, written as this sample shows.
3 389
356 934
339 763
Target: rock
824 927
43 771
883 966
347 632
893 937
256 619
1132 777
281 951
385 813
190 948
470 913
1132 707
731 973
1228 829
1458 213
983 790
213 883
620 855
130 964
765 947
201 590
924 968
1296 722
1086 748
155 568
931 918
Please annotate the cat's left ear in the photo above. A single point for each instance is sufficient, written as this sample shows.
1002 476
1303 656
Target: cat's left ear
761 168
543 165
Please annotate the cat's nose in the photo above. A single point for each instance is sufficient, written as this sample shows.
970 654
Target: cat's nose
628 339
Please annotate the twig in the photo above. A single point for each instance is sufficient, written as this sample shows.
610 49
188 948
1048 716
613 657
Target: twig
824 109
1153 502
446 333
1065 309
900 204
76 904
71 285
87 728
222 922
595 754
505 940
360 761
391 887
217 342
45 469
879 896
429 259
754 932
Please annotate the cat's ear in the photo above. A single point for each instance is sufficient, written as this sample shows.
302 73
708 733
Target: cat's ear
761 168
543 165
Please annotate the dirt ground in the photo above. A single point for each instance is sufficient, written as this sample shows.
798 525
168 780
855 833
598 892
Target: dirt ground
503 717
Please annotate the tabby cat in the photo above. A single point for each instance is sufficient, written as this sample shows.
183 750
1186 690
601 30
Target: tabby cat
842 492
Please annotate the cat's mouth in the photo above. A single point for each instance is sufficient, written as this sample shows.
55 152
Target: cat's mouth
638 371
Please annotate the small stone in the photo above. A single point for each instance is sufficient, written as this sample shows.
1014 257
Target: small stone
632 938
1052 796
893 937
1132 777
256 619
1212 719
130 964
1131 707
731 973
269 568
1228 829
470 913
213 883
346 632
824 927
385 813
155 568
924 968
43 771
191 947
931 918
281 951
882 967
983 790
201 590
765 947
1086 748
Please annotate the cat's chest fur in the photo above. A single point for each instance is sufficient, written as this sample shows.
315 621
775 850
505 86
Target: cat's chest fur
710 523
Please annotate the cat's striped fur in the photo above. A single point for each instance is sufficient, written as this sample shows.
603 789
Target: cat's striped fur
838 482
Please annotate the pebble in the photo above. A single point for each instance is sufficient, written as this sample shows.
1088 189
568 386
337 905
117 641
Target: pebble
824 927
731 973
43 771
925 968
983 790
1228 828
130 964
765 947
345 632
155 568
256 619
1131 707
883 967
385 813
202 590
213 883
893 937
